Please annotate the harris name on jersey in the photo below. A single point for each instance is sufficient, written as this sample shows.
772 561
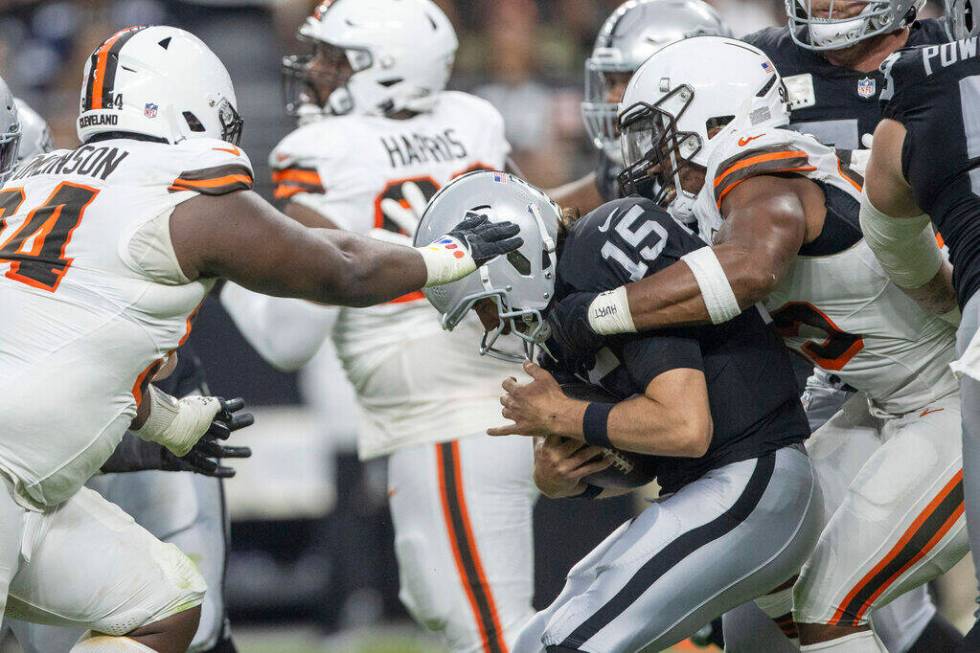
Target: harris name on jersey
414 147
88 160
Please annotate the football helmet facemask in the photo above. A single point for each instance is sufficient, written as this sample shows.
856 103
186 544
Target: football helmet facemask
682 99
10 132
376 57
836 24
633 32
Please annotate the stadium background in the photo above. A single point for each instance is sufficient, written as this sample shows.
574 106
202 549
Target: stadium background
311 566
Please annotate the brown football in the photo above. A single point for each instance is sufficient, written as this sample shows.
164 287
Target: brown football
628 469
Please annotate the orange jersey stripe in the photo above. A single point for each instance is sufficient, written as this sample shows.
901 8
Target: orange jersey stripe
293 174
755 160
902 542
188 184
852 182
736 184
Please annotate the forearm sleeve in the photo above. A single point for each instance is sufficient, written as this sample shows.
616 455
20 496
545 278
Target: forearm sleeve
905 247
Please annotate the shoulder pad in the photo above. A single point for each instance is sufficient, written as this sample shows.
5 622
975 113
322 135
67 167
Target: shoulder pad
743 155
213 167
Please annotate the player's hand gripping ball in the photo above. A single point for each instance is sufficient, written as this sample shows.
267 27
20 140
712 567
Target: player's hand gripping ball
626 469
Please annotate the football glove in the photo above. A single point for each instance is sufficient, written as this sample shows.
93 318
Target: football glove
571 333
484 239
136 455
178 424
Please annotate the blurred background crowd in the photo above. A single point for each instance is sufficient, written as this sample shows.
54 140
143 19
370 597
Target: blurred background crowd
311 535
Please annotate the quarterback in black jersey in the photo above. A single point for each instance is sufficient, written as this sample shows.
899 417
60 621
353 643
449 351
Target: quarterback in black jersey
716 404
924 165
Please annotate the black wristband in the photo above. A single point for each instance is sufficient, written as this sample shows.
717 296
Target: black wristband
591 492
595 424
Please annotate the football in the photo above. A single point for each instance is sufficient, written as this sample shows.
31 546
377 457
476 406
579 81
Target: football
627 469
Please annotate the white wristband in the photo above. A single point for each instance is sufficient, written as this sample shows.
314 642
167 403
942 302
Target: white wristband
905 247
178 424
609 313
716 290
446 260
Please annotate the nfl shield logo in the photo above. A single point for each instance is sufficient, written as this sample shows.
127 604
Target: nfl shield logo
867 88
150 110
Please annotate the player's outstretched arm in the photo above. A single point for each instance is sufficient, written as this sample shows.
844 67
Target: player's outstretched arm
241 237
672 418
898 231
767 220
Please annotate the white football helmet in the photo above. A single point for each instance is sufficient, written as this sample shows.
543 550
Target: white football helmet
160 82
633 32
10 132
826 29
520 284
961 19
374 57
680 95
36 138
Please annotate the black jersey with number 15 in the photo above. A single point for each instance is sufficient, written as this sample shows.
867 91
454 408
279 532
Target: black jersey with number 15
752 393
934 92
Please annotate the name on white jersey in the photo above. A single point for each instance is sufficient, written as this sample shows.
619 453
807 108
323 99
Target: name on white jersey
87 160
413 148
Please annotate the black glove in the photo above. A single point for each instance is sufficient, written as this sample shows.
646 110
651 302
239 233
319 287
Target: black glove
136 455
571 333
484 239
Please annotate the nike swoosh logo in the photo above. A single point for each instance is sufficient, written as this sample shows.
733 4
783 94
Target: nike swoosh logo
230 150
605 226
742 142
930 411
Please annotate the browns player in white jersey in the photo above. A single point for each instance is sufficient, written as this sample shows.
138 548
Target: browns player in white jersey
782 212
379 135
108 251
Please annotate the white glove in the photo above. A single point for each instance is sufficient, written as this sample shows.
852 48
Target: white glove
408 218
178 424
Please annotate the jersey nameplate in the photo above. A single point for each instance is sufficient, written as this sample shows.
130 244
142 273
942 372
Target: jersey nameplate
800 89
414 148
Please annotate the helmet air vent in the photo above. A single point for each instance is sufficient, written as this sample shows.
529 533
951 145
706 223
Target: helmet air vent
193 122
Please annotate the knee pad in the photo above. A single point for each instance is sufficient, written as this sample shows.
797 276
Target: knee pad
98 643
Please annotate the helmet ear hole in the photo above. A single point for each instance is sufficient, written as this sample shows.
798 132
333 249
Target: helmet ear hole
193 123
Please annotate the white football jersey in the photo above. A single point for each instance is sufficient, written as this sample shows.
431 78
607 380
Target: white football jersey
93 297
343 167
836 305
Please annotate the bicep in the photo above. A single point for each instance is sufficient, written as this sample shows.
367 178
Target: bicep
885 183
766 218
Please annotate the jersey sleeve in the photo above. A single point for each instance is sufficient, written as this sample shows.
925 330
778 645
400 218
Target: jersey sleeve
211 167
742 156
905 73
295 168
648 357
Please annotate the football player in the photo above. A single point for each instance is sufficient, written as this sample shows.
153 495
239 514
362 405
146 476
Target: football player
633 32
782 210
109 249
378 136
716 405
180 509
828 55
923 166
